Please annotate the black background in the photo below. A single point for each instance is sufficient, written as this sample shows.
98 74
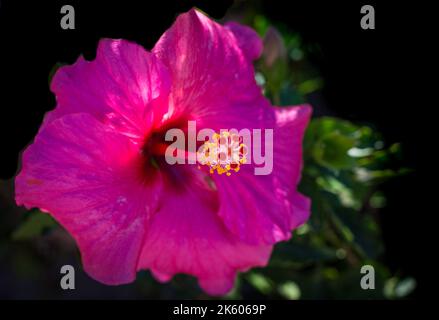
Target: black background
371 76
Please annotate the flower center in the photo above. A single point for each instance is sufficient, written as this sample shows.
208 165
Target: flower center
224 154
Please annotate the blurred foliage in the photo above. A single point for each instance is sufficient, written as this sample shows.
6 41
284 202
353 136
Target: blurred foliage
36 224
344 163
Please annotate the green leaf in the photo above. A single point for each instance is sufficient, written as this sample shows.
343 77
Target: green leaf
332 151
399 288
36 224
290 290
301 253
310 86
289 96
260 282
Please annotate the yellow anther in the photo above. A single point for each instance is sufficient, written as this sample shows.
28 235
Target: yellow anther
223 153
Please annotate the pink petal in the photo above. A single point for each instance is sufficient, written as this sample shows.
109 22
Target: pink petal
123 86
301 209
212 79
248 40
265 208
187 236
291 125
86 176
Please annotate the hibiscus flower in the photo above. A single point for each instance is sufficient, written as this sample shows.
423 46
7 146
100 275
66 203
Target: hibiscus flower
97 163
